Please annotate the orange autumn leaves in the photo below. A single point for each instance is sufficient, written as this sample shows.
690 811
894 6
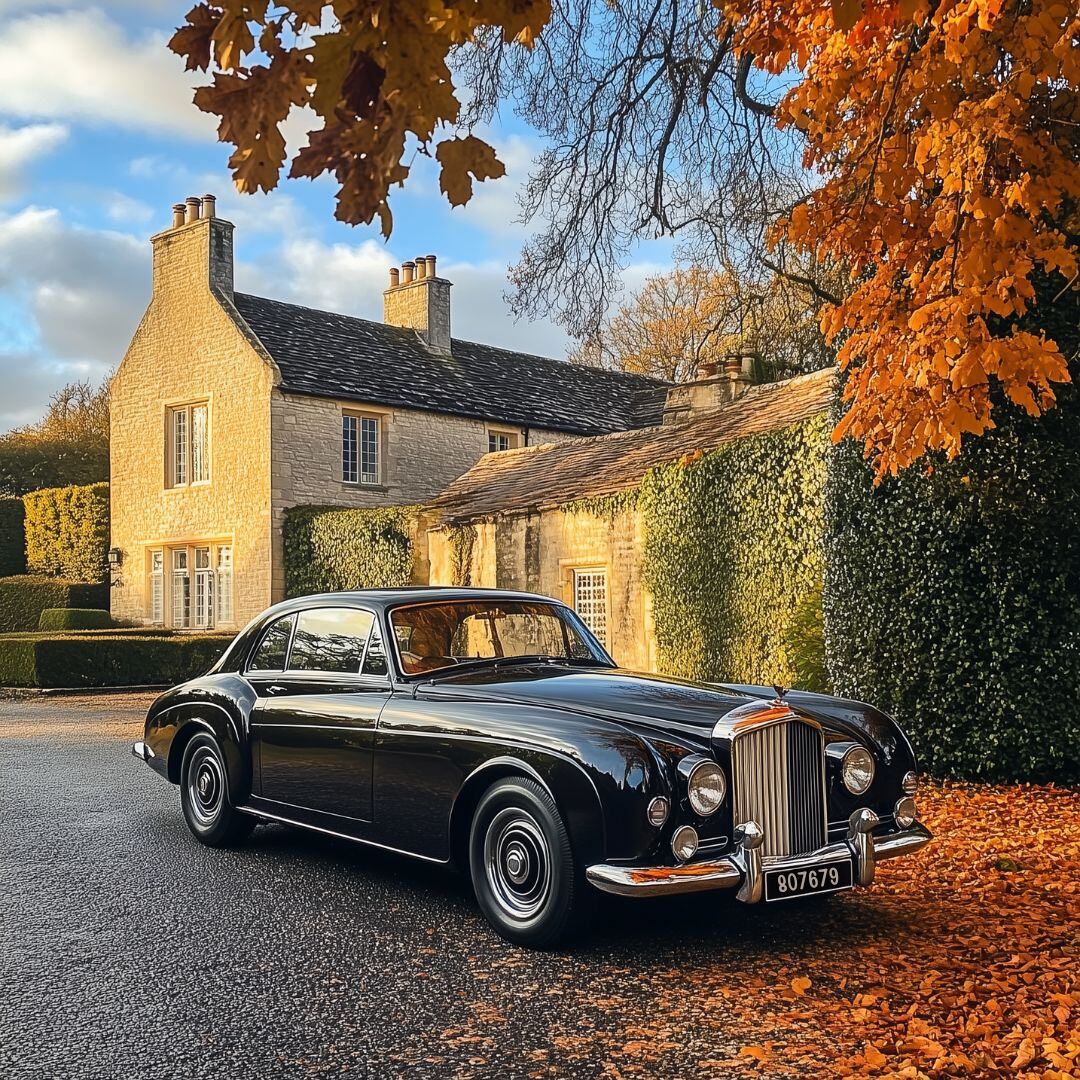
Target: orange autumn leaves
376 76
946 137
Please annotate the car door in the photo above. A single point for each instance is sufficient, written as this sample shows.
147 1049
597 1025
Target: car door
321 680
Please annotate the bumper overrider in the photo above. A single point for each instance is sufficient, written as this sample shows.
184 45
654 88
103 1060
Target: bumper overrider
745 867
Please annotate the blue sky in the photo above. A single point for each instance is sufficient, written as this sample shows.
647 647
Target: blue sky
98 138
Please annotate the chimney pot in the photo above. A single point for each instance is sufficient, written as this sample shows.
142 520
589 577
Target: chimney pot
209 205
421 268
177 215
394 276
193 206
707 369
407 272
430 260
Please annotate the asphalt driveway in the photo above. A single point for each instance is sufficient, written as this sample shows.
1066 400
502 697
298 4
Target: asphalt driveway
128 950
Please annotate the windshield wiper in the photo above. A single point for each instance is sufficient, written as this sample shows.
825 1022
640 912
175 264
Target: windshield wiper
515 661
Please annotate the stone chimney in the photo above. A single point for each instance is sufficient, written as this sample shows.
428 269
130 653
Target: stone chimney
711 390
195 252
420 300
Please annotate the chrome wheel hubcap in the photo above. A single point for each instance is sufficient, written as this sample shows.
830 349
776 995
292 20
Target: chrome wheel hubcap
517 861
206 786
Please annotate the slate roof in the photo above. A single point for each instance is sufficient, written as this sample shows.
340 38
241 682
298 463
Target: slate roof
536 477
331 355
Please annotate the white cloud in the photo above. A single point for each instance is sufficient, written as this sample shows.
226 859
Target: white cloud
79 65
81 291
21 145
125 210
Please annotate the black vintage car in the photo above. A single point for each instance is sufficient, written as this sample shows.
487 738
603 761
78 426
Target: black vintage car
491 729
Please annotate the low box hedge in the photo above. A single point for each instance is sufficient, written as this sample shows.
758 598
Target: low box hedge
24 597
106 658
76 618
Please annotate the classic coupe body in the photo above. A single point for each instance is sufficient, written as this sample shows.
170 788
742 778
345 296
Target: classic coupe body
490 729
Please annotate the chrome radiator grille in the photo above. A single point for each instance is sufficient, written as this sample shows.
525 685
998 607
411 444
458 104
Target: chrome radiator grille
778 773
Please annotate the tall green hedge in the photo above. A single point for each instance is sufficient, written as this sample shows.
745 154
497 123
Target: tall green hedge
953 599
24 597
12 537
67 532
328 549
732 549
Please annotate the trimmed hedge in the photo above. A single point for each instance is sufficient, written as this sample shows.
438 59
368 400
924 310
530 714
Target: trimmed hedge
80 618
67 532
106 658
328 549
25 596
12 537
732 549
952 599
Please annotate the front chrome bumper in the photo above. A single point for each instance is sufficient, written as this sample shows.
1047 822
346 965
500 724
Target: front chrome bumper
141 751
745 867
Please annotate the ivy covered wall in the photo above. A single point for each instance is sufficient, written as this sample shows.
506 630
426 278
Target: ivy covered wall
733 550
328 549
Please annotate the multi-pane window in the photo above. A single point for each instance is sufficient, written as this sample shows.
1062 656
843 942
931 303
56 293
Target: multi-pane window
189 445
590 601
181 588
198 588
157 586
359 449
503 440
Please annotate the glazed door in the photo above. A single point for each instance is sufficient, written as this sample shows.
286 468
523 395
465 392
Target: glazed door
313 726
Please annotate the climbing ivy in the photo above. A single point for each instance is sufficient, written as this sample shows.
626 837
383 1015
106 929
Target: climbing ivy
328 549
462 540
732 548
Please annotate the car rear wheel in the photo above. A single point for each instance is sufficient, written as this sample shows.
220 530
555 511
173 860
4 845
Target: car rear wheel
524 874
204 796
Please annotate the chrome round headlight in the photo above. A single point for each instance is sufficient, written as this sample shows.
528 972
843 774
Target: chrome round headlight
684 843
857 770
904 812
657 811
910 784
706 788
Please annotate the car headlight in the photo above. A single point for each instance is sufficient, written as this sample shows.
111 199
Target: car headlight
857 770
910 784
705 787
904 812
684 843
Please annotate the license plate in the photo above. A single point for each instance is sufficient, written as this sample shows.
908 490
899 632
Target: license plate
807 881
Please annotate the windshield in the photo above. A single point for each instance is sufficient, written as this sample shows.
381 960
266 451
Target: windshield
435 637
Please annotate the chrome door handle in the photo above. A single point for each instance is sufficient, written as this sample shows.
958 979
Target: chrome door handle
275 689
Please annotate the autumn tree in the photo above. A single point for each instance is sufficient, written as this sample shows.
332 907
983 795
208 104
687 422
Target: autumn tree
930 149
679 321
69 445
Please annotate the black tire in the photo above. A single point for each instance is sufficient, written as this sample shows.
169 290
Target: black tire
527 882
204 796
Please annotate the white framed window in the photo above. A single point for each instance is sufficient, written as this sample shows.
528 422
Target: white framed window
188 431
180 588
361 457
224 584
157 586
502 439
197 590
591 601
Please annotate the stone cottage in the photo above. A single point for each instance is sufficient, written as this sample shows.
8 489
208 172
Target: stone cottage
528 522
229 408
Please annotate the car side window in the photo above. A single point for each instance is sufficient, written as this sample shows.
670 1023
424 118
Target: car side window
330 639
273 650
375 657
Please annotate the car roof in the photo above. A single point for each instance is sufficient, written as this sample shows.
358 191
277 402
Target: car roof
414 594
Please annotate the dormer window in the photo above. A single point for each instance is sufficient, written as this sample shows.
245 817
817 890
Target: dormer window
188 441
503 439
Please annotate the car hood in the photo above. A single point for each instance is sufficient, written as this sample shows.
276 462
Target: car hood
657 703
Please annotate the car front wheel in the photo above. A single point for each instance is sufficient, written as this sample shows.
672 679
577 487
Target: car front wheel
526 880
204 796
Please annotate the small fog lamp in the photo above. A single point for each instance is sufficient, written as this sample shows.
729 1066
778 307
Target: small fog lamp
684 843
904 812
657 811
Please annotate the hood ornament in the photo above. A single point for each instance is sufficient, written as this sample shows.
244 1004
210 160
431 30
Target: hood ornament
781 691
